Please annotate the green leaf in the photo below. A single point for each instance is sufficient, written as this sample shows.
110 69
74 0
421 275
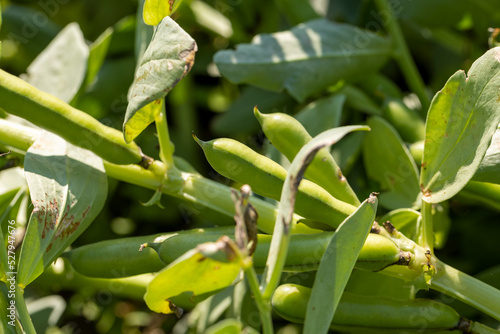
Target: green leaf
388 161
60 69
197 274
97 55
305 59
489 169
12 191
68 188
9 323
143 33
322 114
168 58
461 121
210 18
336 266
8 201
156 10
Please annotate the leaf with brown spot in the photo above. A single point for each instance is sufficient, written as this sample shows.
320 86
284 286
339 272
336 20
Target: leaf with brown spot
168 58
68 188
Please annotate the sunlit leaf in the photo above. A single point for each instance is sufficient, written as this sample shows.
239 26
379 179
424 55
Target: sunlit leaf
388 161
336 266
305 59
68 187
194 276
281 234
156 10
168 58
60 69
461 121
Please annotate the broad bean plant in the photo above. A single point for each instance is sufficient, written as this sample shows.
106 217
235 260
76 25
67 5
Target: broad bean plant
332 219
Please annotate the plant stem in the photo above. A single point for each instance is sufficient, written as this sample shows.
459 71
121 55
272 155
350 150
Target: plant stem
403 56
24 315
478 328
425 228
166 147
276 260
467 289
263 305
16 136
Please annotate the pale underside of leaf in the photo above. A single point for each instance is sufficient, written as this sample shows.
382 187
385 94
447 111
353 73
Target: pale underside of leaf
68 188
60 69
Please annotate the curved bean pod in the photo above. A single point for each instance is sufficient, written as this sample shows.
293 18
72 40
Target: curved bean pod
22 99
375 313
288 135
238 162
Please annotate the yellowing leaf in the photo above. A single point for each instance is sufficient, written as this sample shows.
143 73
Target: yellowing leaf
196 275
156 10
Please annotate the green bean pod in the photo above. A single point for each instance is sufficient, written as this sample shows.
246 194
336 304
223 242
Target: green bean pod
19 98
304 253
238 162
374 313
122 258
288 135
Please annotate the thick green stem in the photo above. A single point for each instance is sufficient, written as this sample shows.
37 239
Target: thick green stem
263 305
166 147
403 55
425 228
19 98
24 315
467 289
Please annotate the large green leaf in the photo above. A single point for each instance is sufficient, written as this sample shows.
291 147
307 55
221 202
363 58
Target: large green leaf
305 59
168 58
388 161
194 276
68 188
489 169
461 121
336 266
60 69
